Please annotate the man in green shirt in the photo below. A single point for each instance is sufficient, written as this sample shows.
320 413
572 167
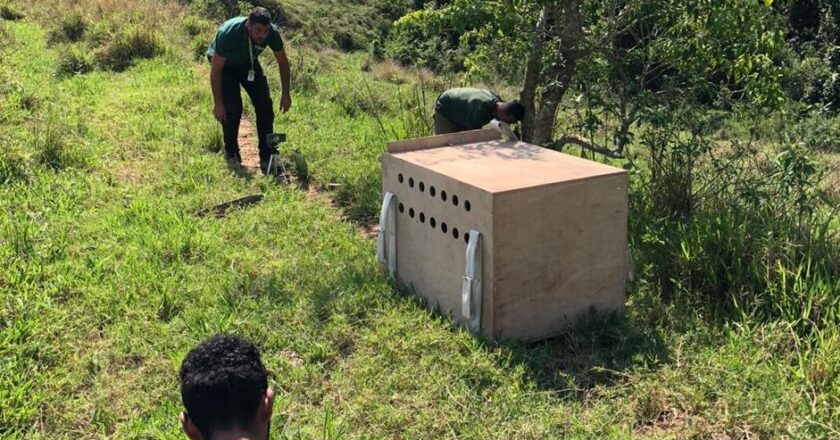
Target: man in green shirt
464 109
233 57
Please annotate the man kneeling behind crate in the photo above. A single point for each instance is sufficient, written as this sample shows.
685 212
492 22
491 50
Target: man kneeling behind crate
463 109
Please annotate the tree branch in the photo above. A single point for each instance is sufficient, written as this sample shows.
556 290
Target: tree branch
585 144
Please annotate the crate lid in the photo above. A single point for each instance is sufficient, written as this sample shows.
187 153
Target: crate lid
499 166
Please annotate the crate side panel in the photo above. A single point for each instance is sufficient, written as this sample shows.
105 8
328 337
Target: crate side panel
559 251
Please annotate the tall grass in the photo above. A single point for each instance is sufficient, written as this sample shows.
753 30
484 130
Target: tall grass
731 227
128 46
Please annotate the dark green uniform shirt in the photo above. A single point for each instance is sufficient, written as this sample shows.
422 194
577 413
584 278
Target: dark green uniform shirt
231 42
469 108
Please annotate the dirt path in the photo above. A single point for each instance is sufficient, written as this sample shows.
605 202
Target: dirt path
248 146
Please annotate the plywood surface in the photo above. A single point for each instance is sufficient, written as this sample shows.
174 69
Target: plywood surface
559 251
430 261
501 166
459 138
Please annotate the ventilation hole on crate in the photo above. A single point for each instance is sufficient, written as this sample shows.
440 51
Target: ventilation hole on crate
467 238
432 222
422 218
402 208
422 186
411 212
443 195
455 233
411 182
432 191
443 227
467 205
400 178
455 200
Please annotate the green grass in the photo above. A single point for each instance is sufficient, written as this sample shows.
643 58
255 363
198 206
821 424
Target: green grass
107 279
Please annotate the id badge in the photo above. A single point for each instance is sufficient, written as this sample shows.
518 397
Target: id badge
250 76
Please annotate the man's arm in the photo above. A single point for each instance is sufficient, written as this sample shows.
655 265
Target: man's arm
216 65
285 79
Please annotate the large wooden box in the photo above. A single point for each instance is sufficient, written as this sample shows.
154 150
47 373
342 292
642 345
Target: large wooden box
553 230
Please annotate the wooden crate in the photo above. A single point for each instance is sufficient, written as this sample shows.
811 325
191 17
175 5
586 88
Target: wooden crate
553 230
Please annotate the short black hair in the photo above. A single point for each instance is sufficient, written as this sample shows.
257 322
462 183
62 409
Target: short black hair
515 109
260 15
222 381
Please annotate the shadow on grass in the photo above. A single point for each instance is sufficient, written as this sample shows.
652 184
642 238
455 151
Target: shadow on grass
239 170
598 350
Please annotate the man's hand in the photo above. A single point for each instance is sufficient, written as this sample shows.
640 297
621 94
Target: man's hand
285 102
219 113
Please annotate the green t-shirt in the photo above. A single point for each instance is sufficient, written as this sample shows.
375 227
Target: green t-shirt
231 42
469 108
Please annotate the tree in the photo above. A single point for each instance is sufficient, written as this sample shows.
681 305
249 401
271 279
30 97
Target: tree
627 56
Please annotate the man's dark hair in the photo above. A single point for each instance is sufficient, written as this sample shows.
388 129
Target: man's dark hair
260 15
515 109
222 382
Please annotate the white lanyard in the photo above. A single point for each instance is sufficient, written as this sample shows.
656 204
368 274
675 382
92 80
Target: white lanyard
250 54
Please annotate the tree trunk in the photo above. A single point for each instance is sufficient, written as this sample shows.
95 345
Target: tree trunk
564 24
533 68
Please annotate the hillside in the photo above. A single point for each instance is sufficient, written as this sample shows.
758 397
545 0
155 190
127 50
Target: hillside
108 277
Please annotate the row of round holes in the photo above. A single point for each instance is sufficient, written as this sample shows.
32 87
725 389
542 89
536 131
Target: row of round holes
433 223
433 192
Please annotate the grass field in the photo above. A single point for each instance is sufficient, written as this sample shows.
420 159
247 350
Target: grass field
107 279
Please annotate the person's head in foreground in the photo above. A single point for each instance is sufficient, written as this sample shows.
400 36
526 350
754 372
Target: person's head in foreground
510 111
224 386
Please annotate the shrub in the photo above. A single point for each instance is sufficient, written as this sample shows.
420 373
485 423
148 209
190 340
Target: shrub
348 41
195 26
9 13
52 145
12 167
199 47
126 48
75 59
71 28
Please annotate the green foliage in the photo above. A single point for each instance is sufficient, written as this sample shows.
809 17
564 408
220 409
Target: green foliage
54 145
196 26
7 12
74 59
722 226
12 167
126 47
428 38
71 28
199 47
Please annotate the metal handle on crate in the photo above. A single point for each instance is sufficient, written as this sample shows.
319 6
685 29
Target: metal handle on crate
386 235
471 288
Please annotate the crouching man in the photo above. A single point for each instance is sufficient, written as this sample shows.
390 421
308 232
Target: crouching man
234 62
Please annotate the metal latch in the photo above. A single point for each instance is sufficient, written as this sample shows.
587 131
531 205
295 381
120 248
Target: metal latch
386 235
471 288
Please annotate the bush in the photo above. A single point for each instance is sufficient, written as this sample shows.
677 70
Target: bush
195 26
70 29
75 59
12 167
739 227
126 48
11 14
199 47
52 147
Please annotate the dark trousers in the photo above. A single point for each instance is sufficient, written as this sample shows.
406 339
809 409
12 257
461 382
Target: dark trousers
443 125
232 78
